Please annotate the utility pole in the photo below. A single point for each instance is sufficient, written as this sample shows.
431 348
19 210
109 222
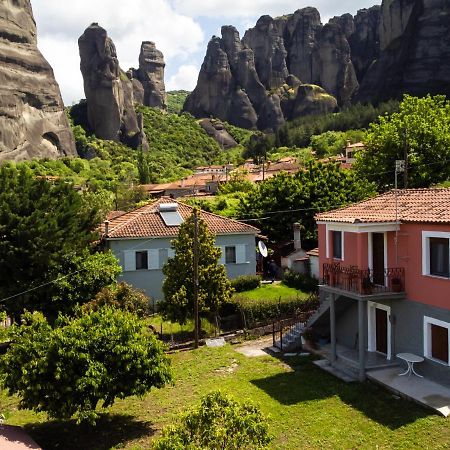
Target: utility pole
405 162
399 168
195 267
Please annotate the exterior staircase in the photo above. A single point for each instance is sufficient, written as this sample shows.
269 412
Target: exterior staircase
323 308
292 338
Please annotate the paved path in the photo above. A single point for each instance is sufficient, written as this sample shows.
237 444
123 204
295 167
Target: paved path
15 438
421 390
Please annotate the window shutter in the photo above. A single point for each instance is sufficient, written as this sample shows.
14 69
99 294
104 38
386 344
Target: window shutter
153 259
222 256
241 254
171 252
129 260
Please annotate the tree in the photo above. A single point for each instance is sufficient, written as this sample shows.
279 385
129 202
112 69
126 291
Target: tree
67 370
420 130
122 296
320 188
219 423
47 230
213 286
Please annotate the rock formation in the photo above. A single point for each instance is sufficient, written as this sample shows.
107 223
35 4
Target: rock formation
148 80
231 88
380 53
33 123
414 51
109 92
215 129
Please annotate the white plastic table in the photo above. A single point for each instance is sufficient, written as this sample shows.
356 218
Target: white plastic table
410 359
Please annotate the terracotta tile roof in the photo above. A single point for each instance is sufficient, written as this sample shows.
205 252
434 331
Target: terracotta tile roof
413 205
313 252
147 222
357 145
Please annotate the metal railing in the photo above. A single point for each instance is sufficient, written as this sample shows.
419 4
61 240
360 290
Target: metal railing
364 281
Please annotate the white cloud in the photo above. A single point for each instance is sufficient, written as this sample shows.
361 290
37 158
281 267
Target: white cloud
252 8
128 23
185 78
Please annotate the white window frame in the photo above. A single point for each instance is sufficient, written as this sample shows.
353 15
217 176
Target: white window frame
372 328
427 322
426 235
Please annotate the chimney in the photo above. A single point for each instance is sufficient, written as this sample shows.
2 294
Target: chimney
297 237
106 227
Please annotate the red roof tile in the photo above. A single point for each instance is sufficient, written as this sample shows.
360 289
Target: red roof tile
147 222
413 205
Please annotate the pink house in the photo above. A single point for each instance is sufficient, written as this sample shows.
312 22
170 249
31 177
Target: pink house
385 280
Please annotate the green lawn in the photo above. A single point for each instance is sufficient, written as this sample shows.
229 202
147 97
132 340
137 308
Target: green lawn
179 332
307 407
272 292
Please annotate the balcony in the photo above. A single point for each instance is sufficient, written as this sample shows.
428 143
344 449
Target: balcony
364 282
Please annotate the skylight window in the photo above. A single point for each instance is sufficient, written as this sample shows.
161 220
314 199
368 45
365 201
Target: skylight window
170 215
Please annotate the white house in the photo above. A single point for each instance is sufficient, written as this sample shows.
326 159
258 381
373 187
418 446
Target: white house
141 240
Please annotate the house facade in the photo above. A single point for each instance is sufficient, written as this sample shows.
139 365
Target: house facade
141 241
385 279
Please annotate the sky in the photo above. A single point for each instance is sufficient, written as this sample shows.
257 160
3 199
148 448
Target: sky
181 29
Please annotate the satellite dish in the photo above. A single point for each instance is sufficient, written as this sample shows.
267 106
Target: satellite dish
262 249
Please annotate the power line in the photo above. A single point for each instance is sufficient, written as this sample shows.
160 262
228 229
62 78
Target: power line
42 285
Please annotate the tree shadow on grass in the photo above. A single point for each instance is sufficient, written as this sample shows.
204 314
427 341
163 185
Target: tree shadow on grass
109 431
308 383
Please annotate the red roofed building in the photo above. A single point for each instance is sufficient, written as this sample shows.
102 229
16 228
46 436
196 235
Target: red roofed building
141 240
384 266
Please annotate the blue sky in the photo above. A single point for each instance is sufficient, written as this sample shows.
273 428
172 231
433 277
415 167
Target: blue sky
180 28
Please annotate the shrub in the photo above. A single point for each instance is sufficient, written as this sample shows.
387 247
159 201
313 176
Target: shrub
123 297
301 281
246 283
218 423
262 311
67 370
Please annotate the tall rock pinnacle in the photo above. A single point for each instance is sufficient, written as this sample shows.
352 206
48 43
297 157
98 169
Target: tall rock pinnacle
148 80
33 123
109 92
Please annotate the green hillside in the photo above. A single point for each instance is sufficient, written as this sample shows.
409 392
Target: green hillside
175 100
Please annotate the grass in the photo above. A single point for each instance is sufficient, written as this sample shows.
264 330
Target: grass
273 291
307 407
176 331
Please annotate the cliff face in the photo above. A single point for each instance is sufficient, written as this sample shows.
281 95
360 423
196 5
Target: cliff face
380 53
109 92
33 123
247 83
414 53
148 80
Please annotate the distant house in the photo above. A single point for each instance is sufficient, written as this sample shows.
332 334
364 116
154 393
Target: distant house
198 183
141 240
384 266
351 150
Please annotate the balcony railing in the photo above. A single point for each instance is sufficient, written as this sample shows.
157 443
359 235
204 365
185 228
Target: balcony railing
364 281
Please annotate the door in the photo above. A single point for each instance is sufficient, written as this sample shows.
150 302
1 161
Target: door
378 258
381 330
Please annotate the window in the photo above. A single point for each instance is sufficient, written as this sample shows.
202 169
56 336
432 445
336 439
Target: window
337 244
439 257
436 254
437 340
142 260
230 255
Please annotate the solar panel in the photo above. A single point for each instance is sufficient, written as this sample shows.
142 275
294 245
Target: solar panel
170 215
